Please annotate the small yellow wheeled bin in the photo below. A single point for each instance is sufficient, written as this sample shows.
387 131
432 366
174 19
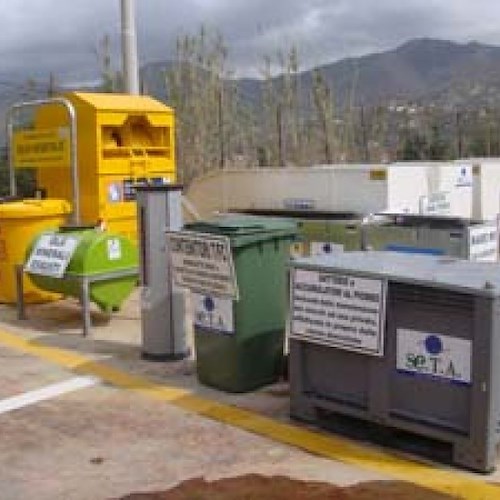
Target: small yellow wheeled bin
20 222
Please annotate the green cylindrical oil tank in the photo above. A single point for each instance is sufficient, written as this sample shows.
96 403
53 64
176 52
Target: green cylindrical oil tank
96 253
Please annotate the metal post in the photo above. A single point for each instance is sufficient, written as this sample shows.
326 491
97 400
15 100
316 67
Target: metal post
19 270
87 323
129 47
75 187
162 305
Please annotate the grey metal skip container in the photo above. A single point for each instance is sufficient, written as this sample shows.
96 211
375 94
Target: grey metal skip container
409 342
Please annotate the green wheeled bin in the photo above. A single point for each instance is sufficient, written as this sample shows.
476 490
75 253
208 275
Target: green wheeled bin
96 253
251 355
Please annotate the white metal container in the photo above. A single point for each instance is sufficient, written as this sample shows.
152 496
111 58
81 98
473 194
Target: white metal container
360 189
451 182
486 187
409 187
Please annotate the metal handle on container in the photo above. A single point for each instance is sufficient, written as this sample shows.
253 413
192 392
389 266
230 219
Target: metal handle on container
75 188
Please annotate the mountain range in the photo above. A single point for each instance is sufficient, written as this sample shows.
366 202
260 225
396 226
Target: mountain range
423 71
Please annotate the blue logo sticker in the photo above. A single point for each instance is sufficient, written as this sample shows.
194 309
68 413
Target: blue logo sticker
433 345
208 304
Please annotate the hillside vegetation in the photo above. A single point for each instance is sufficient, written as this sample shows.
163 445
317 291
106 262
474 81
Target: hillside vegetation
428 99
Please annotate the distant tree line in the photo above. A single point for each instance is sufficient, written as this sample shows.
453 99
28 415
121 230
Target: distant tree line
218 126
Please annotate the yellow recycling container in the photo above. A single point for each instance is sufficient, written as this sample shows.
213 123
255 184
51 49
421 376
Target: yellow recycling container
20 222
122 140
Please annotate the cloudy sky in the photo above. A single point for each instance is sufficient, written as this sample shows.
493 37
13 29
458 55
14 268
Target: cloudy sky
61 36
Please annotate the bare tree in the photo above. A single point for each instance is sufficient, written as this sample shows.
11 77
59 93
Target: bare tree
203 94
323 114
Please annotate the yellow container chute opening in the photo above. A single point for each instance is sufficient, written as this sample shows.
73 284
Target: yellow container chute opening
122 140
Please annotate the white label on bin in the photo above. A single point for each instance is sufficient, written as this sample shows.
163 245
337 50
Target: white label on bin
483 242
115 192
202 263
51 255
464 176
433 355
338 310
435 204
114 249
325 248
213 313
299 204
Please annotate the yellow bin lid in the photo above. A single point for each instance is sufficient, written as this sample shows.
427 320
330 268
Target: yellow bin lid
32 208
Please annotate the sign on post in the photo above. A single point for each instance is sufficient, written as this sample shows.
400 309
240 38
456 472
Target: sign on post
202 263
48 147
51 255
338 310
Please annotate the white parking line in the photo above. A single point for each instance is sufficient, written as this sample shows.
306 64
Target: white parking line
45 393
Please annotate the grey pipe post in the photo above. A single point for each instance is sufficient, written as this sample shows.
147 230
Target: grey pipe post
75 187
163 307
129 47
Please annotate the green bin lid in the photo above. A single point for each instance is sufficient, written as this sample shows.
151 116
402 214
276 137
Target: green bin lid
245 230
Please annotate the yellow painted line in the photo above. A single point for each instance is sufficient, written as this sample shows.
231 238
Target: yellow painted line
453 483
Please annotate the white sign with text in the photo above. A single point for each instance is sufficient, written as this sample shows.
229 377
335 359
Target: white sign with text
435 204
51 255
338 310
483 242
202 263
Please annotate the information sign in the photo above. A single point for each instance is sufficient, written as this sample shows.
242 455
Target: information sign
483 242
338 310
49 147
436 204
51 255
202 263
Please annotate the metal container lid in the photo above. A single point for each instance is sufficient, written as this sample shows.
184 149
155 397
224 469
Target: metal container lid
481 278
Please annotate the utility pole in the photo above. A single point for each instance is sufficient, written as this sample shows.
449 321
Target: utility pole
129 47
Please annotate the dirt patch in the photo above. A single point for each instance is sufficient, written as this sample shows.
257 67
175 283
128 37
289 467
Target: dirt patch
257 487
